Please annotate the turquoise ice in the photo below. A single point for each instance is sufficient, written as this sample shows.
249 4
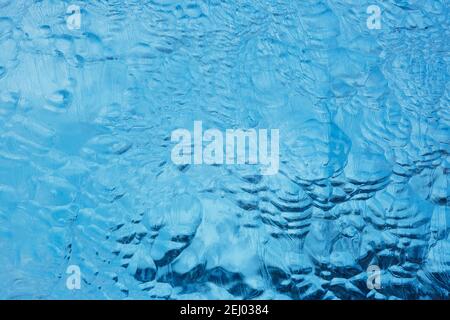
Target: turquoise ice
90 92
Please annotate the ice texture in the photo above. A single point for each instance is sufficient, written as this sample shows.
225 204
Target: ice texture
86 177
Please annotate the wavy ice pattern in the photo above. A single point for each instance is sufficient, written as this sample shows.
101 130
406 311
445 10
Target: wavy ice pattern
86 177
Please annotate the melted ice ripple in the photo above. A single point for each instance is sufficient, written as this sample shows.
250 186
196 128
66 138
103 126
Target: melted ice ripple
86 177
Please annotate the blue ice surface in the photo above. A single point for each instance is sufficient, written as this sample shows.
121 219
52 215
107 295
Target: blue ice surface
87 179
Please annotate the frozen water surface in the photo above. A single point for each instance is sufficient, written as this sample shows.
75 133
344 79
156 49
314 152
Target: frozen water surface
86 177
